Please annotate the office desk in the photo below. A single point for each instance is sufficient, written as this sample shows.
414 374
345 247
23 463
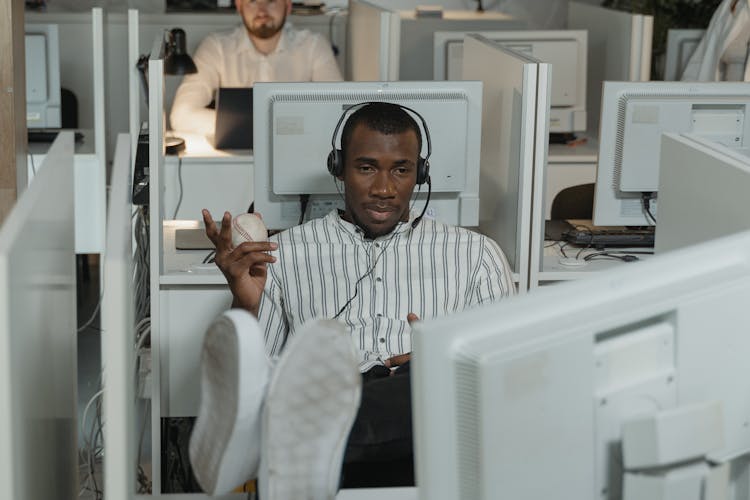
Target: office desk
90 187
556 267
566 166
206 178
191 295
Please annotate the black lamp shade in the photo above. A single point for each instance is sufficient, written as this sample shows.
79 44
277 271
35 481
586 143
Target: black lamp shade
178 62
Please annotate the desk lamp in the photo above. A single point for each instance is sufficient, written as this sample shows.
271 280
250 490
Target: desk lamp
176 62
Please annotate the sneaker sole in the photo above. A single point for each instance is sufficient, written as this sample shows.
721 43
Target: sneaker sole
313 398
225 443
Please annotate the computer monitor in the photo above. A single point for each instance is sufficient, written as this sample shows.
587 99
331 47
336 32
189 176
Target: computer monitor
701 184
515 111
634 116
118 333
294 125
38 360
564 50
619 49
390 44
680 46
527 398
42 44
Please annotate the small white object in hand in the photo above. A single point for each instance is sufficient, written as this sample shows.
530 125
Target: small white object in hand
248 227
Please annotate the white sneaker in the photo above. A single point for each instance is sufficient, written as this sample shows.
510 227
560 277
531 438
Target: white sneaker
312 400
225 443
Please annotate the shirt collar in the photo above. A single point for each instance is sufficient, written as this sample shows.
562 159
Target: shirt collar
355 232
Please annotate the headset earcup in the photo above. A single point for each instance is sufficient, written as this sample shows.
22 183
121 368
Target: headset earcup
423 170
334 163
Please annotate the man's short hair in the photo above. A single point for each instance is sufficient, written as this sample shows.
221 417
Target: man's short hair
383 117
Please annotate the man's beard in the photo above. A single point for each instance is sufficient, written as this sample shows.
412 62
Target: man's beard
266 31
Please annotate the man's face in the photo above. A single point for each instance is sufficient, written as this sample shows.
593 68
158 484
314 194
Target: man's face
380 172
263 18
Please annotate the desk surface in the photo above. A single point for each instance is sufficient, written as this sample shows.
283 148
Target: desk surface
185 267
562 261
198 146
85 146
586 152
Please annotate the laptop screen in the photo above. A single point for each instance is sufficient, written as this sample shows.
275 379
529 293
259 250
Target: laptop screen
234 118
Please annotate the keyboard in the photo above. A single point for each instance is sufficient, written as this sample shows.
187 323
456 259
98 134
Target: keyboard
47 135
602 238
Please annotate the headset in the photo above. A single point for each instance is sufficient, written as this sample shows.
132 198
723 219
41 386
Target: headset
336 156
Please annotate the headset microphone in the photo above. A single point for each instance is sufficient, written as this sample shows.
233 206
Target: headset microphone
417 220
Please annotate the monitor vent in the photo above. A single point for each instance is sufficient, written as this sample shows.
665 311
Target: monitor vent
467 426
622 106
372 95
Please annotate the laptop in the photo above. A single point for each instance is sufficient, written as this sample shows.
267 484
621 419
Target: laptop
234 118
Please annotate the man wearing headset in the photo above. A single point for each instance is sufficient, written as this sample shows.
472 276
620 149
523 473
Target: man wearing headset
263 49
374 268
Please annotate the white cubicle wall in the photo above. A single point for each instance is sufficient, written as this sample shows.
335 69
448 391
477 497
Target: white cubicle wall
619 49
515 121
703 191
38 360
373 43
386 44
90 159
564 50
156 213
118 335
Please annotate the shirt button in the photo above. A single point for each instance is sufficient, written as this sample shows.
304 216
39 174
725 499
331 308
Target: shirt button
377 245
379 315
382 341
378 279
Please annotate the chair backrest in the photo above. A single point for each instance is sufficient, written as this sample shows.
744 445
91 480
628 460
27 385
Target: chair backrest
575 202
68 109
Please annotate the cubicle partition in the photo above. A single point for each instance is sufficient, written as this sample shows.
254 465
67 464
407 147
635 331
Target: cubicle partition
619 45
515 124
38 356
90 172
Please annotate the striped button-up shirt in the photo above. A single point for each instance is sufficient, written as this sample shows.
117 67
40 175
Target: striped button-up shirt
327 267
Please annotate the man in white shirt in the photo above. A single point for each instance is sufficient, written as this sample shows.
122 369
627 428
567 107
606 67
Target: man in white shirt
374 269
263 49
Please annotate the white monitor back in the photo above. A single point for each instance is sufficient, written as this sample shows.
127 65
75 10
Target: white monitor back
372 42
564 50
42 76
515 96
634 115
526 398
619 49
118 337
703 189
416 36
38 360
293 125
681 44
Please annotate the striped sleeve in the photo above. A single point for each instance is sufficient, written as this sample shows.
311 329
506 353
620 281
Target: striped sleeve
271 315
494 279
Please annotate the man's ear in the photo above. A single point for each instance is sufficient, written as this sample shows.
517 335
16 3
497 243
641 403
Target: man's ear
288 7
237 6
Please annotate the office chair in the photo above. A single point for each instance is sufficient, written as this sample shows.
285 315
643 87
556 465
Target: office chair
575 202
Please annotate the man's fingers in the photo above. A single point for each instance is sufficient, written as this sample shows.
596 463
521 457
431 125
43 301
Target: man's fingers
397 360
211 230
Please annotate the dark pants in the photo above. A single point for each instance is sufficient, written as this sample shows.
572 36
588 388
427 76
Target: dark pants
380 452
